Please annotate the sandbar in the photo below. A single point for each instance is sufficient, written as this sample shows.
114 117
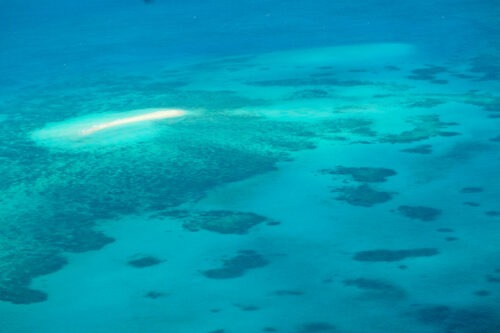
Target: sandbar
156 115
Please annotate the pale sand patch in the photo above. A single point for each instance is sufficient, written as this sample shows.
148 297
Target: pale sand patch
161 114
105 129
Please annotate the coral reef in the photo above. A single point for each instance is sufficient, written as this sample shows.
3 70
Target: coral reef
237 265
380 287
486 65
314 327
424 127
246 307
429 73
425 103
394 255
471 189
459 320
77 190
310 94
144 261
362 195
224 222
15 286
288 293
420 149
310 81
348 126
362 174
444 230
154 294
421 213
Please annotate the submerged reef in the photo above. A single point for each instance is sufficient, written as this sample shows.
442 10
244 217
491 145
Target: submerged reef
429 73
154 294
315 327
380 287
247 307
472 319
487 66
291 292
471 189
421 213
341 127
16 290
237 265
424 127
394 255
77 190
362 174
362 195
311 81
425 103
420 149
223 221
310 94
144 261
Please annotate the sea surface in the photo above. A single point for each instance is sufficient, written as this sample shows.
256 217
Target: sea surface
335 166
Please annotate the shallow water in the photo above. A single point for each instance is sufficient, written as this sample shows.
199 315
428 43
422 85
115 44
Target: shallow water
336 168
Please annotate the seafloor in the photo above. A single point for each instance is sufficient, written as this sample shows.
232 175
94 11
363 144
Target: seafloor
349 187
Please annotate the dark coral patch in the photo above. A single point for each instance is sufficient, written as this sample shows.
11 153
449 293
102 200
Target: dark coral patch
247 307
85 240
459 320
16 290
288 293
421 213
144 261
392 68
428 73
471 189
471 204
487 66
362 174
362 195
420 149
314 327
310 94
237 265
375 285
492 213
432 315
348 126
492 279
154 294
424 127
21 295
310 81
425 103
447 133
224 222
394 255
482 293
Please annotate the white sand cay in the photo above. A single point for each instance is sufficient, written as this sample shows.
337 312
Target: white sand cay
162 114
104 128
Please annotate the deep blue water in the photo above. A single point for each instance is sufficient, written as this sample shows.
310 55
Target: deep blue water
334 168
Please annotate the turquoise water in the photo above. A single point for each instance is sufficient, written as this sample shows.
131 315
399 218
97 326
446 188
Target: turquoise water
333 166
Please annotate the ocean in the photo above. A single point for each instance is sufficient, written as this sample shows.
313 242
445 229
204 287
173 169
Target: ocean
250 166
